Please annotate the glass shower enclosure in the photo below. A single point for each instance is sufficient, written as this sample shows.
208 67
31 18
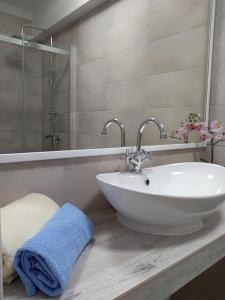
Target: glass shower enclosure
34 95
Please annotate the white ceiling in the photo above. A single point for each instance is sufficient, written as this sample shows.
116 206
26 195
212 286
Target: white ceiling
21 8
29 5
49 14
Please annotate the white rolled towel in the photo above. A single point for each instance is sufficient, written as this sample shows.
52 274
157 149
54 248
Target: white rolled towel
20 220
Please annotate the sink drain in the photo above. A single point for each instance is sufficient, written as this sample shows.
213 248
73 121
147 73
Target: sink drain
147 181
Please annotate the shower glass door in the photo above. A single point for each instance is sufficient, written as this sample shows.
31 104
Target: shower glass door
34 97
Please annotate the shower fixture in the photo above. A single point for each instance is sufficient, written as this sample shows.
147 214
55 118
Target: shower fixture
54 138
35 28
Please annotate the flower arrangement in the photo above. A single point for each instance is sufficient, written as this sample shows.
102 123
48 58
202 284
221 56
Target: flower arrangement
208 135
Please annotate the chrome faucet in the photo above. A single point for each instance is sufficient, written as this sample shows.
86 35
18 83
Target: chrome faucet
121 126
161 127
135 159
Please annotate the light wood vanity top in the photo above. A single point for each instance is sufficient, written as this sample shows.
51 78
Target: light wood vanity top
124 264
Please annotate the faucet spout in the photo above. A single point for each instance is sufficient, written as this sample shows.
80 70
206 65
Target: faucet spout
158 123
121 126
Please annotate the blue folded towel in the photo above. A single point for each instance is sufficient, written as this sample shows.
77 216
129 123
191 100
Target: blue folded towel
45 262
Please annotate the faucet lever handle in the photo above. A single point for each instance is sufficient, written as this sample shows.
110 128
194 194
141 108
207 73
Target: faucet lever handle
149 155
135 159
145 154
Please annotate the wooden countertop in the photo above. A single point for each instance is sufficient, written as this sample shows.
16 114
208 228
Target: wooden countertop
124 264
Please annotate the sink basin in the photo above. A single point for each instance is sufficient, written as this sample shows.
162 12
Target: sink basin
171 199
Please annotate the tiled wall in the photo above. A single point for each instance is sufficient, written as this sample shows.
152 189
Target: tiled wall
13 107
217 107
138 59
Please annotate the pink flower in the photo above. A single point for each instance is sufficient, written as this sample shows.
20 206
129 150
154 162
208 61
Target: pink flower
181 133
216 126
205 136
194 124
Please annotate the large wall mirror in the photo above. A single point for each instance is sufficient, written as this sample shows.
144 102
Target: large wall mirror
129 60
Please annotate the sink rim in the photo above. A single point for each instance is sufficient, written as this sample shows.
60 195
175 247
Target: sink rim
100 177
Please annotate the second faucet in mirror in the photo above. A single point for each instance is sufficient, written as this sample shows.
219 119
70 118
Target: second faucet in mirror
121 126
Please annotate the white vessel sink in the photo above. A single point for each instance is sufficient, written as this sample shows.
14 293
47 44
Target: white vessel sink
166 200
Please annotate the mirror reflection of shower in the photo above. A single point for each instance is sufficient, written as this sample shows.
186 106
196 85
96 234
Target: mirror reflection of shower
52 135
35 91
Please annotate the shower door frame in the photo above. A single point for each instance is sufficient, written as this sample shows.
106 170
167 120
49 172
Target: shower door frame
15 41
